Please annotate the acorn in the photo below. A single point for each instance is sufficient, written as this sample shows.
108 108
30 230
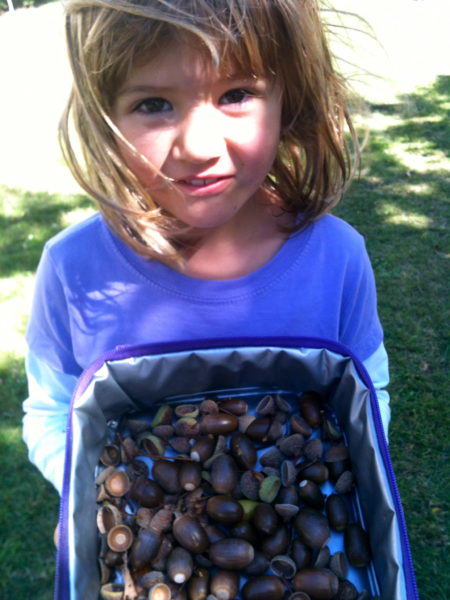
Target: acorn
190 534
110 456
345 482
119 538
224 474
277 542
265 518
220 423
224 509
145 547
269 488
163 416
160 591
310 406
292 445
283 566
187 427
310 492
301 553
198 585
299 425
231 553
151 444
189 475
202 448
180 565
243 450
267 587
117 483
315 471
225 584
112 591
258 429
338 564
236 406
187 410
337 460
266 406
258 566
166 474
288 473
249 483
146 492
320 584
347 591
337 512
271 457
313 449
245 531
108 516
312 527
356 545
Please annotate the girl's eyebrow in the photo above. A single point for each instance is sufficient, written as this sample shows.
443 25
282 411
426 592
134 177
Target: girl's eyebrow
144 89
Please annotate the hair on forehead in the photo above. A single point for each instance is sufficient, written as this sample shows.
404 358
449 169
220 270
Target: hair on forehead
283 40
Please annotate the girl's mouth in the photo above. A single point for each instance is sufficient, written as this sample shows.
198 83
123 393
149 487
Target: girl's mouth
203 185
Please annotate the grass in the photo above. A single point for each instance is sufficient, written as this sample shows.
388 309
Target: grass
400 204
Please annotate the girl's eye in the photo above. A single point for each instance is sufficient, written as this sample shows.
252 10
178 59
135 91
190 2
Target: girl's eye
153 105
236 96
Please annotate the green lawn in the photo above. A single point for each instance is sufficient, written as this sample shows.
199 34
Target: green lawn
401 205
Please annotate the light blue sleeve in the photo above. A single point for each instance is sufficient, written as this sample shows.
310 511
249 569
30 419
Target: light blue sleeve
377 365
46 410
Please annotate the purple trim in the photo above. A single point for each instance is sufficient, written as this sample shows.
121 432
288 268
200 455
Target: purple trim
62 580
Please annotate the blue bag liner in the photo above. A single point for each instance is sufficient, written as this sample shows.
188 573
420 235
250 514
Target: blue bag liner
132 379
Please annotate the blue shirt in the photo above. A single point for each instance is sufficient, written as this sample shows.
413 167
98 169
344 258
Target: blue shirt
94 293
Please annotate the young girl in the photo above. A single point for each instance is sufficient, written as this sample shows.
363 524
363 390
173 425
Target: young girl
211 133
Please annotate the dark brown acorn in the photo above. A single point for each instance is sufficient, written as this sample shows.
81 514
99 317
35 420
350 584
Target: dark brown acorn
189 533
339 565
347 591
258 429
292 445
231 553
265 518
320 584
299 425
145 547
198 585
258 566
337 460
225 585
312 527
166 474
315 471
245 531
180 565
224 474
357 546
310 492
224 509
190 475
110 457
310 406
219 424
146 492
203 448
267 587
301 554
236 406
337 512
243 450
277 543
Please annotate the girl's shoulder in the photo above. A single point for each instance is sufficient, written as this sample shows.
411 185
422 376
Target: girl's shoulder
76 234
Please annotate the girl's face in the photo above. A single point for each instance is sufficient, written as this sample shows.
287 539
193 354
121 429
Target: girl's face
214 136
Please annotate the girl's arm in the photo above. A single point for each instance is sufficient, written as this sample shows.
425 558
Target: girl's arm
45 421
377 365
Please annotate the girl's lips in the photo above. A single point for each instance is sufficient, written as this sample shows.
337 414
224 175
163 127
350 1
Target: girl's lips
203 185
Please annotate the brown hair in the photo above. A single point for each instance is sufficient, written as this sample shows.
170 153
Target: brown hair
280 39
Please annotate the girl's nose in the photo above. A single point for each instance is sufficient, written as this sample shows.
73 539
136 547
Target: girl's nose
200 137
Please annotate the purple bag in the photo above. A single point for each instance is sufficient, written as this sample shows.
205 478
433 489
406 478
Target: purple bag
131 379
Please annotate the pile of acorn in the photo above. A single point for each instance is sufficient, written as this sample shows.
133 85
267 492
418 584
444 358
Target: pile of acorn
210 500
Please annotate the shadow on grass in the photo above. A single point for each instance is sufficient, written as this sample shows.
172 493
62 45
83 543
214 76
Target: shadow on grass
29 504
27 221
401 206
